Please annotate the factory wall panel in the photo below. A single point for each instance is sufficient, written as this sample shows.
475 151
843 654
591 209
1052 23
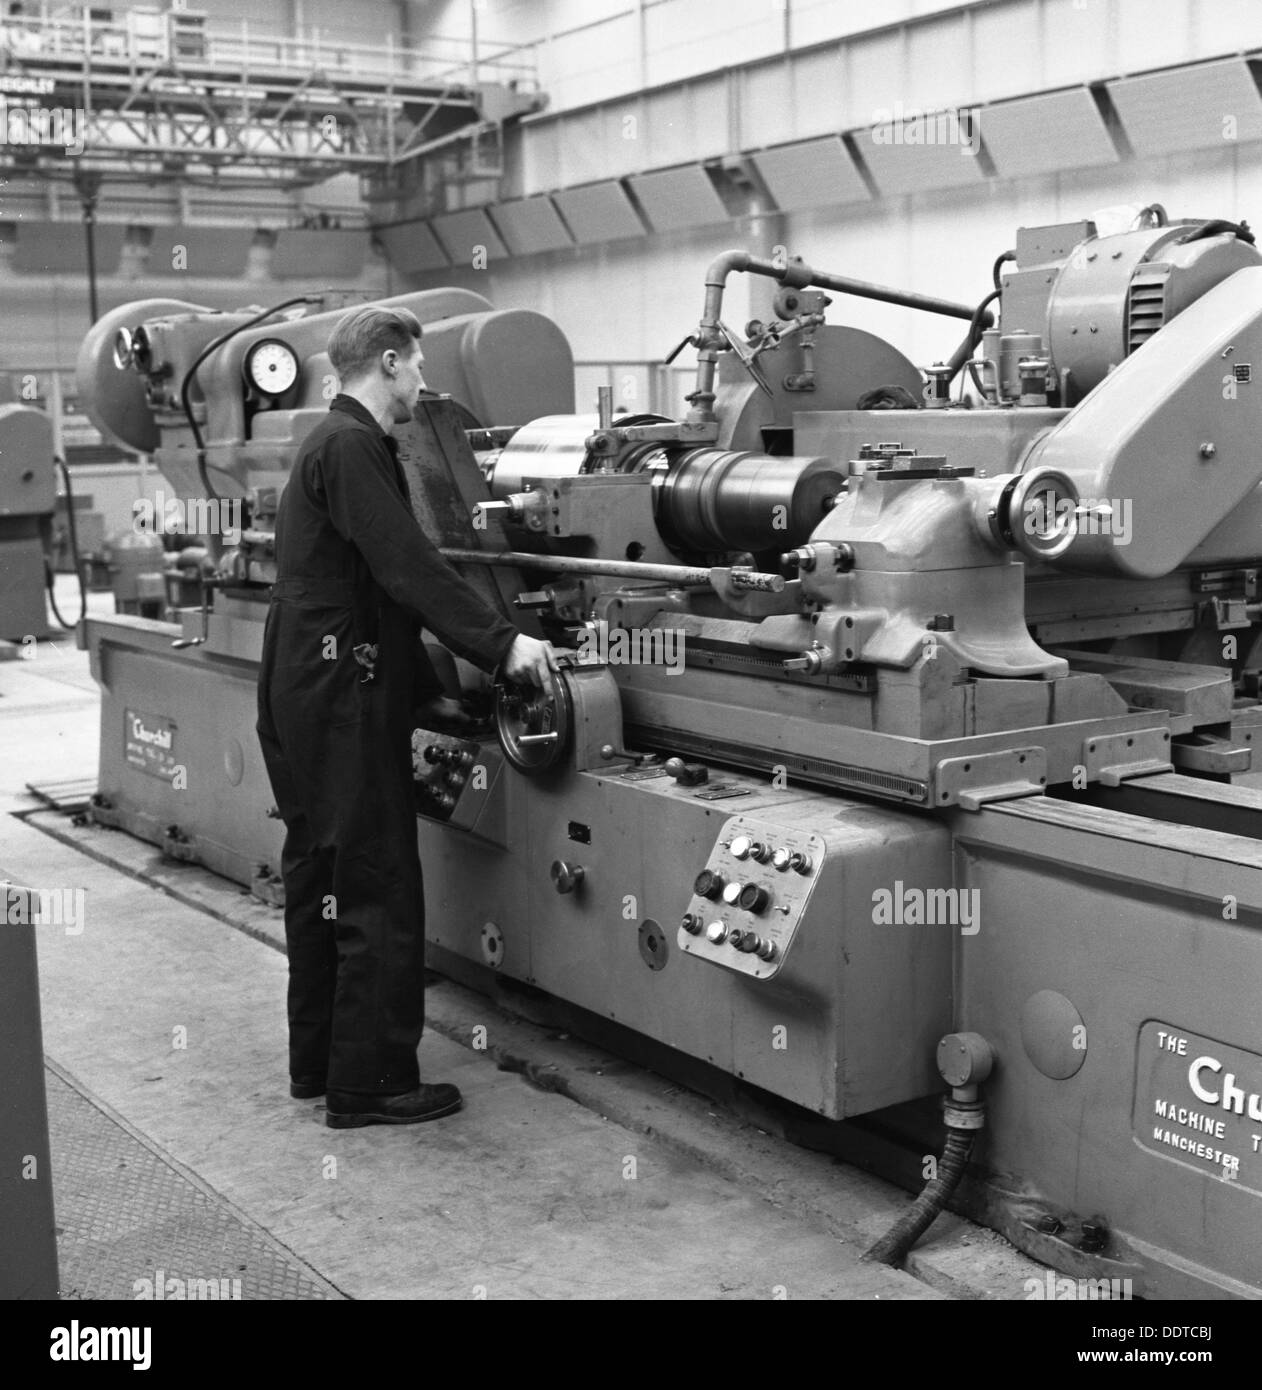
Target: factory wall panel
1189 108
874 78
469 236
62 247
531 225
923 55
676 198
599 212
411 246
1044 134
202 251
1015 33
683 39
591 64
302 254
814 173
683 122
939 242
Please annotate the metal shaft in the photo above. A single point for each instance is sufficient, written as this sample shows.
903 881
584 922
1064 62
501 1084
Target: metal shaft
571 564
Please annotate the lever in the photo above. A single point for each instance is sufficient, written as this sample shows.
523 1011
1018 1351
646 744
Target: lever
746 356
687 774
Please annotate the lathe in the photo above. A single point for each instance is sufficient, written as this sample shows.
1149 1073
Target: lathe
893 750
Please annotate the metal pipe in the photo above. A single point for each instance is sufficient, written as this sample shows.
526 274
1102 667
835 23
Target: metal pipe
797 275
574 564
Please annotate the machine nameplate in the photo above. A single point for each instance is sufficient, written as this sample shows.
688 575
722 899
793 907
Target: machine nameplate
1199 1103
149 743
722 793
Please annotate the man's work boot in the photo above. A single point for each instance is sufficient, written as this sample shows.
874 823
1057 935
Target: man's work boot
349 1111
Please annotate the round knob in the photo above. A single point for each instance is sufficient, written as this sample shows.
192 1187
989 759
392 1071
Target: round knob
691 923
731 892
741 846
800 862
446 800
749 943
566 877
433 754
754 898
707 884
760 852
716 932
781 859
735 938
767 950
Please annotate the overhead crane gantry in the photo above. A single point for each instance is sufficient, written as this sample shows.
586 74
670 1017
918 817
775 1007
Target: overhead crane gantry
87 97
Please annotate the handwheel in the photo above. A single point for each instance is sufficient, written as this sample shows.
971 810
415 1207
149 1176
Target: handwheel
533 725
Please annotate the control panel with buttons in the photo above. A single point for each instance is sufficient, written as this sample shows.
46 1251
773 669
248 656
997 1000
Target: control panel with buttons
440 768
459 783
751 895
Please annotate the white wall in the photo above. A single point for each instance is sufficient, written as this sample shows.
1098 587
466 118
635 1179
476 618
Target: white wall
635 299
591 50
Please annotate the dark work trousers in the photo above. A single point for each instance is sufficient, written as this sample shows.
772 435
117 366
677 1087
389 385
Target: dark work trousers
341 770
354 568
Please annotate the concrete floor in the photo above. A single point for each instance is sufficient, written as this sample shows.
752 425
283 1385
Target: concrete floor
173 1022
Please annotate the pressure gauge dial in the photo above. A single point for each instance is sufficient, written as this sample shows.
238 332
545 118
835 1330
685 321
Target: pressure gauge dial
271 367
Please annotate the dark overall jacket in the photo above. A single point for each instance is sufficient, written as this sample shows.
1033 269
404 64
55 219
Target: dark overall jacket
354 568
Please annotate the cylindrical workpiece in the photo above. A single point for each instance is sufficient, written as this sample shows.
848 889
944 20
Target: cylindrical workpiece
720 499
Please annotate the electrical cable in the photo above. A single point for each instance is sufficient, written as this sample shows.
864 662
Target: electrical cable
186 385
999 261
74 554
1217 228
974 335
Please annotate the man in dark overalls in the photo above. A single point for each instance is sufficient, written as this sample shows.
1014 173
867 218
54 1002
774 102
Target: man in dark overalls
356 579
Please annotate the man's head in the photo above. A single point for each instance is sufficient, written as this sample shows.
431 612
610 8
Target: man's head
377 354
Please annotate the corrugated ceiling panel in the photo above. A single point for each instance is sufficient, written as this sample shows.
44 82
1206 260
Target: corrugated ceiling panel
462 232
921 152
531 225
303 254
61 246
411 247
1192 108
1044 134
677 198
812 174
599 212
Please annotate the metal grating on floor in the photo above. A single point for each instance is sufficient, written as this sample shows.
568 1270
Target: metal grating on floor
125 1215
70 794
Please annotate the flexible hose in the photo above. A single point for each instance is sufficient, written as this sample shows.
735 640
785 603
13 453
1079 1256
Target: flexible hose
1217 228
74 554
974 336
894 1245
999 263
